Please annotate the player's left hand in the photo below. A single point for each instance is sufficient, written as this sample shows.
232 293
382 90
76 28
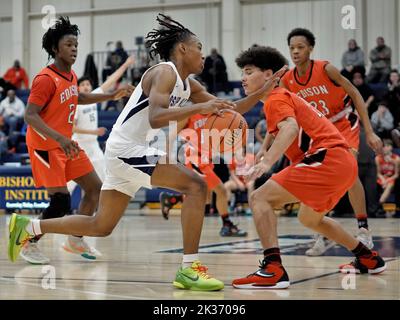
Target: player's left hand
257 171
272 82
375 143
123 91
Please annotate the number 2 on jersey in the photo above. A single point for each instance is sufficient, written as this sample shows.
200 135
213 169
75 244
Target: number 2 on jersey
71 113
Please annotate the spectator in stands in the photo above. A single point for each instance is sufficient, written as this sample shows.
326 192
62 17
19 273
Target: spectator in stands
364 89
380 58
387 170
260 133
12 109
17 76
353 57
214 74
382 121
121 54
3 141
394 80
393 99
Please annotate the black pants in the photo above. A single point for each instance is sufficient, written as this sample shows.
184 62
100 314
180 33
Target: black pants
368 177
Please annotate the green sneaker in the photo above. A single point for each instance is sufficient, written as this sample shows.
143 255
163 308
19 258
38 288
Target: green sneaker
196 278
18 235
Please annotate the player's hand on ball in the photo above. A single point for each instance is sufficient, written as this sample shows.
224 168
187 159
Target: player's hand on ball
217 106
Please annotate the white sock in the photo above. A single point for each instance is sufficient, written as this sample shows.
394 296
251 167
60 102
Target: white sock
33 227
188 259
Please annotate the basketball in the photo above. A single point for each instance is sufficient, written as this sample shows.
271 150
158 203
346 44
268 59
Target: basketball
227 132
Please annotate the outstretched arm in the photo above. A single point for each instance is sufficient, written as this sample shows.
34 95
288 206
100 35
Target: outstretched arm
162 81
112 79
89 98
199 93
372 139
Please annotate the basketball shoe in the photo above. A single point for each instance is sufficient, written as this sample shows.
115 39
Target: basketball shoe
372 264
321 245
231 230
78 245
196 278
167 201
31 253
271 275
18 236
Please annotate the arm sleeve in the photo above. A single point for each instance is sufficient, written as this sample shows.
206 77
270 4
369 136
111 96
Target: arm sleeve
43 89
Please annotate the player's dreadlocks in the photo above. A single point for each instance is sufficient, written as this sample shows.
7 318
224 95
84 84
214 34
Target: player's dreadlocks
51 38
162 41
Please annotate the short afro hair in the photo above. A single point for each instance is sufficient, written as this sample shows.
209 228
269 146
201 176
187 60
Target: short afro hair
85 78
61 28
262 57
302 32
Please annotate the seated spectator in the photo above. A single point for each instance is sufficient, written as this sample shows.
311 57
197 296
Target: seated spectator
260 133
3 142
388 170
380 58
365 91
17 76
214 74
394 80
238 168
382 121
12 109
353 57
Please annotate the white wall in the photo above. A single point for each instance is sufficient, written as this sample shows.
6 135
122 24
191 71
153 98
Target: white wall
264 22
6 57
270 23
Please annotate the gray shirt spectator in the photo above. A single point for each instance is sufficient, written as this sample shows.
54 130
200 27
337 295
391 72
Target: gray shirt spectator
353 57
382 121
381 61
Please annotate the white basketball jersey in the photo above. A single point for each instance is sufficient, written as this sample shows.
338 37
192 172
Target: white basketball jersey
132 128
86 118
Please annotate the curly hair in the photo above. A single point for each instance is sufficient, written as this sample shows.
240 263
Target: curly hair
262 57
51 38
302 32
161 41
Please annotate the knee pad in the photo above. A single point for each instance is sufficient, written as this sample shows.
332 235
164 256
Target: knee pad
60 205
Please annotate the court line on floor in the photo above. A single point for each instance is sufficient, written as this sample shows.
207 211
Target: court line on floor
328 274
74 290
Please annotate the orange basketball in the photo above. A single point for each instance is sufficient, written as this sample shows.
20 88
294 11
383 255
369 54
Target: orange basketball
227 132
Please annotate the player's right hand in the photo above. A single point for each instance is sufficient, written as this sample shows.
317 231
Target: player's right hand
217 106
101 131
70 147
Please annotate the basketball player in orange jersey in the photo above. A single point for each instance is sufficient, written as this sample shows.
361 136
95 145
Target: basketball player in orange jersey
388 166
322 85
319 175
55 158
194 155
132 163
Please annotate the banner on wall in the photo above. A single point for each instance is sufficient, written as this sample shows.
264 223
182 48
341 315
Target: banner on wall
18 192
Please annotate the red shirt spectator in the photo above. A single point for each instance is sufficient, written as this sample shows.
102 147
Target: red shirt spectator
16 75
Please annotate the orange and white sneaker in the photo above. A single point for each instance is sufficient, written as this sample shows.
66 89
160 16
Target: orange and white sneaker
372 264
79 246
271 275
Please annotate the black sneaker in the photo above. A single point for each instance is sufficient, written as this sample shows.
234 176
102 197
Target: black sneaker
166 201
372 264
231 230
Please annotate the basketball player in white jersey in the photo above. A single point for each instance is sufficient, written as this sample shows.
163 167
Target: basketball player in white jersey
85 129
131 163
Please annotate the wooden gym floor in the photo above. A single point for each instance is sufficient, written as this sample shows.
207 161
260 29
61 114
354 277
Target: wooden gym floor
142 255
